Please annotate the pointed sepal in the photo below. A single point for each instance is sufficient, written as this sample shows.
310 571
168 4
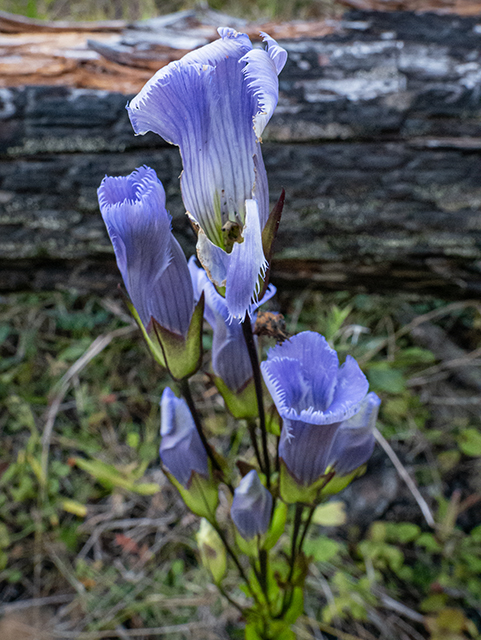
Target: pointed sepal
201 495
277 526
293 491
269 234
182 356
242 405
338 483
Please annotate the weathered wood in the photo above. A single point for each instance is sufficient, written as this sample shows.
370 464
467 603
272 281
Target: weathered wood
376 140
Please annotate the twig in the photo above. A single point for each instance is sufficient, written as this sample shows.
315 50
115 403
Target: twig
328 629
454 401
402 624
427 317
423 505
132 633
401 608
468 359
36 602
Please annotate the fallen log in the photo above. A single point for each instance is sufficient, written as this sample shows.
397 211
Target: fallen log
376 140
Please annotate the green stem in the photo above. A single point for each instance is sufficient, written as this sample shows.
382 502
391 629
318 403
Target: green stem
263 563
287 599
251 348
295 534
185 390
231 600
306 527
234 558
251 426
307 523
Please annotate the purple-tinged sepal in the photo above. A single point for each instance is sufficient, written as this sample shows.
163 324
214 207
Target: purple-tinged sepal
182 354
269 234
184 458
212 550
252 507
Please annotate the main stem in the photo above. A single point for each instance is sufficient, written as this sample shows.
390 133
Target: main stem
288 593
251 348
252 433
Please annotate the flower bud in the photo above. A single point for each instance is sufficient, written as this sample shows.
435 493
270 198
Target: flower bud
212 550
252 506
184 457
181 449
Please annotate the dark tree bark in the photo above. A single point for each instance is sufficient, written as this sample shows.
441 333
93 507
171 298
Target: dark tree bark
376 140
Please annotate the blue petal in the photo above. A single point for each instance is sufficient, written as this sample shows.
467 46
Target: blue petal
351 389
304 449
311 387
301 375
150 260
277 54
354 442
228 345
230 358
239 271
261 71
202 104
181 449
247 264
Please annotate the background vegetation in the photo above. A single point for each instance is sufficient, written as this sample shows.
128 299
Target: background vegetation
88 522
142 9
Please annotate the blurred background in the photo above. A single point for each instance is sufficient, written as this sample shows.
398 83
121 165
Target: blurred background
142 9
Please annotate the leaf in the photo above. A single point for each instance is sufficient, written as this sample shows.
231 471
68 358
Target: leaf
322 549
332 514
414 355
382 378
402 532
429 542
469 442
77 508
74 351
111 477
4 537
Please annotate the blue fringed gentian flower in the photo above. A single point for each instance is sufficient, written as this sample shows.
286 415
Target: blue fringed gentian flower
184 457
328 416
153 267
214 104
252 506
